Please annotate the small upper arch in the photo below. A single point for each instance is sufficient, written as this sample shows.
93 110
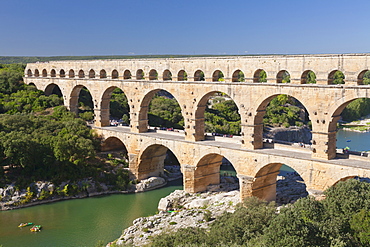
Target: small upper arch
115 74
182 75
218 76
81 74
37 73
71 73
199 75
103 74
336 77
238 76
53 73
92 73
62 73
260 76
167 75
283 76
139 74
153 75
364 77
127 74
44 73
308 77
29 72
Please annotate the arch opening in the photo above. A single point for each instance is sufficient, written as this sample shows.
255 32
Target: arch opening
238 76
114 74
214 172
119 111
158 161
103 74
139 74
260 76
218 76
71 73
280 183
217 115
62 73
308 77
162 111
182 76
53 89
92 73
53 73
153 75
29 72
167 75
37 73
81 74
199 76
336 77
283 77
81 103
44 73
364 77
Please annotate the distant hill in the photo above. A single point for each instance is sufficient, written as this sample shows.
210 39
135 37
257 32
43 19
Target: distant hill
24 60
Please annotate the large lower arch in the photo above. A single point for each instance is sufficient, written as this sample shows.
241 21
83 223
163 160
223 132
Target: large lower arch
105 106
74 98
113 144
151 162
53 89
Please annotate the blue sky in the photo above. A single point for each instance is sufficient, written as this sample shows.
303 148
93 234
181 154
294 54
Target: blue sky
124 27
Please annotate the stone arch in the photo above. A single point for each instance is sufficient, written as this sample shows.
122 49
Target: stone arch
260 76
74 98
71 73
103 74
199 75
81 74
167 75
336 77
113 143
265 180
283 76
153 74
207 171
182 75
139 74
238 76
44 73
144 108
115 74
151 161
344 179
258 123
29 72
218 76
199 114
37 73
308 77
53 89
105 105
360 78
53 73
92 73
62 73
32 84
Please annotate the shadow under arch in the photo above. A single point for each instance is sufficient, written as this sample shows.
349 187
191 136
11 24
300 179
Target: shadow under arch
271 183
144 107
202 105
207 172
53 89
106 106
113 144
151 162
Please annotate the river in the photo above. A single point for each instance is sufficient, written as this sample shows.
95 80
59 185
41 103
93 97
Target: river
85 222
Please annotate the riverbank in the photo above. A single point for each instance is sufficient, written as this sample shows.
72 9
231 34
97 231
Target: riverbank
45 192
362 125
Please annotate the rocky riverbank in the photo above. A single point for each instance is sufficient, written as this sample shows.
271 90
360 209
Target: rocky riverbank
181 209
43 192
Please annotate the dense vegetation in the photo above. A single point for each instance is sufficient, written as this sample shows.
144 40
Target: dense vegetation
342 219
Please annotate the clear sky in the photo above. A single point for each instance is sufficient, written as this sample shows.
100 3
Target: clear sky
125 27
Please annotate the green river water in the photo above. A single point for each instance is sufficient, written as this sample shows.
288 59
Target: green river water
79 222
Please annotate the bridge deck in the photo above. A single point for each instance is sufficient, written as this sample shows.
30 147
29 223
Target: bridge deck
233 143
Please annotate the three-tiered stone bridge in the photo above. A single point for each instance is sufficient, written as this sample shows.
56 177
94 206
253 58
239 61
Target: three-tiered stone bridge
192 81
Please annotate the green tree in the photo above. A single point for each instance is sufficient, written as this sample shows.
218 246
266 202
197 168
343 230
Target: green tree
338 77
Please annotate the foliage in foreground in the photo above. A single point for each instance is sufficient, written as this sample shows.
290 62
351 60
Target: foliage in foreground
342 219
